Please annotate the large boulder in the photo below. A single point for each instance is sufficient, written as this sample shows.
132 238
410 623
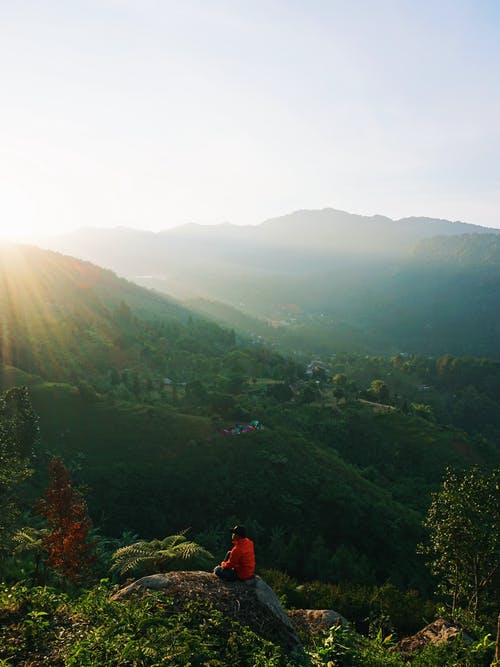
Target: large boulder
252 603
440 631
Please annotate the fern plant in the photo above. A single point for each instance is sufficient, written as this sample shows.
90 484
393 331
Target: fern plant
167 554
30 540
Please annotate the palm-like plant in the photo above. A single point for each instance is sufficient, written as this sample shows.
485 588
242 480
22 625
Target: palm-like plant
170 553
31 540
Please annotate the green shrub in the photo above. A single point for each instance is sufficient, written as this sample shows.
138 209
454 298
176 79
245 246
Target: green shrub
342 647
44 627
458 653
367 607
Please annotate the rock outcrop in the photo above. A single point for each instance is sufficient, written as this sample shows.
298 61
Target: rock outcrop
251 603
440 631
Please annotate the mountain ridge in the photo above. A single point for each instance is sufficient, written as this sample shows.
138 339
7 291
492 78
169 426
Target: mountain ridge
302 238
330 210
316 273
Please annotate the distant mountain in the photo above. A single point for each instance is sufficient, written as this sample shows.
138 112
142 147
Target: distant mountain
324 280
332 230
463 250
303 240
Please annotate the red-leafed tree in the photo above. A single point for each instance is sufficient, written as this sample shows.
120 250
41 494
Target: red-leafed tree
69 548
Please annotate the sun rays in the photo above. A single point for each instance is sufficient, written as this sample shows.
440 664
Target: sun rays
41 322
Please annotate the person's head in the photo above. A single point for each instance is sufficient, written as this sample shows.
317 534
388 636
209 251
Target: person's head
238 533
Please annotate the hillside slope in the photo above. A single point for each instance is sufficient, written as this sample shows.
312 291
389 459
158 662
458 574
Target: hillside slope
326 281
136 406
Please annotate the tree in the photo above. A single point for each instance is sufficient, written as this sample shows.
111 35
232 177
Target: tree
340 380
69 549
309 393
463 521
280 391
168 553
235 383
18 436
423 410
343 387
196 393
379 391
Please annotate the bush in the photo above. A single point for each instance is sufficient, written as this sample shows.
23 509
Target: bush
367 607
44 627
41 626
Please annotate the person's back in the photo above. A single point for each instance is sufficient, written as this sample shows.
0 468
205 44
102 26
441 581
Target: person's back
242 558
240 561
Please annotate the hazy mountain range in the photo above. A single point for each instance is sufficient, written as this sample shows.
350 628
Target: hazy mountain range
290 243
327 279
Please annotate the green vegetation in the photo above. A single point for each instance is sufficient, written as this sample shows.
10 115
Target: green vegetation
90 630
368 608
40 625
463 521
173 552
18 438
334 489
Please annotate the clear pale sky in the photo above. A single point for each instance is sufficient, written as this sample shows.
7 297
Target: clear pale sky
153 113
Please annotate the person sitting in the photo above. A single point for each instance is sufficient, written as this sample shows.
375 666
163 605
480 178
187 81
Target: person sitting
239 563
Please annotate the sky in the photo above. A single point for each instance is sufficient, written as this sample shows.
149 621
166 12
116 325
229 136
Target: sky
154 113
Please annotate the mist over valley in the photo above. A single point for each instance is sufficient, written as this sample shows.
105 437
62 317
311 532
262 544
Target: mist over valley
323 281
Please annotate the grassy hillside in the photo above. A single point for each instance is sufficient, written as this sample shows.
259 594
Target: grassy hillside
64 319
348 490
135 405
153 471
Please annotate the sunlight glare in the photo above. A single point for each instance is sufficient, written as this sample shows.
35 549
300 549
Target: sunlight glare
21 233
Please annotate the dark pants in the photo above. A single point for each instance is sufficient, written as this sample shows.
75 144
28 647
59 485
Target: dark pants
225 574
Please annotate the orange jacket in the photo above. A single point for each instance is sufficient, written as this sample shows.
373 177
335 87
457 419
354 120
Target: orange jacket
241 558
